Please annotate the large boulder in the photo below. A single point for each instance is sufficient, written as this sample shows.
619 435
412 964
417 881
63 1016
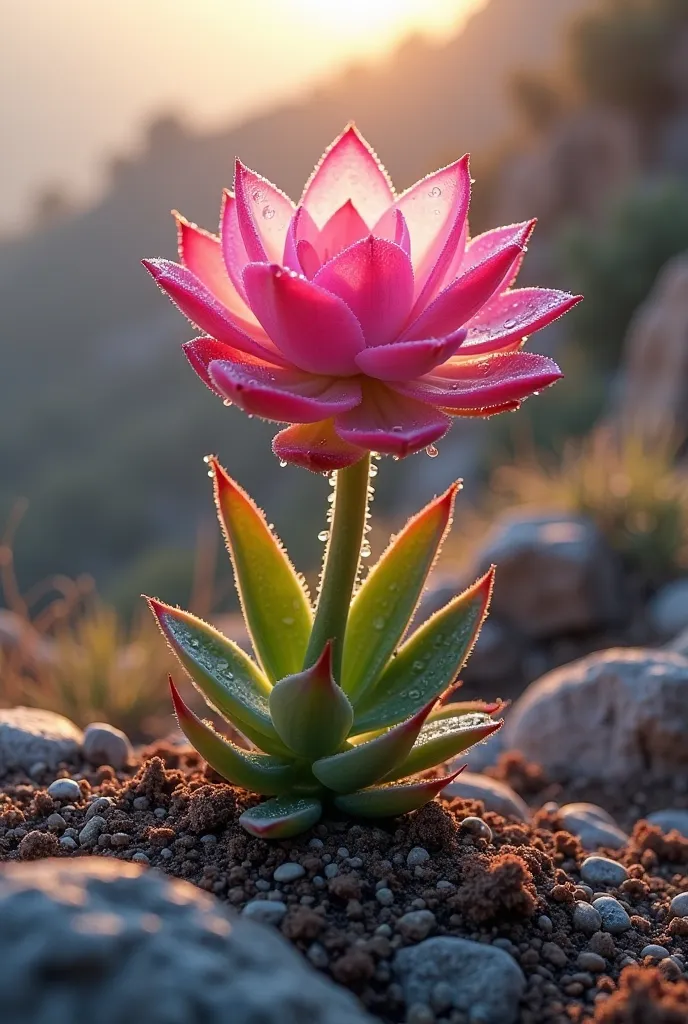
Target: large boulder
29 736
668 609
495 795
613 715
555 575
102 941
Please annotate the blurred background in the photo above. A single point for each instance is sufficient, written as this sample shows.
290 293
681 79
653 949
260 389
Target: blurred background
574 111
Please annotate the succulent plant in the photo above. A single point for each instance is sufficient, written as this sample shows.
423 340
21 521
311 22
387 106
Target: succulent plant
350 715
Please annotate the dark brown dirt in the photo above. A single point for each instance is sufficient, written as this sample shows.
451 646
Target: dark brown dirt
518 889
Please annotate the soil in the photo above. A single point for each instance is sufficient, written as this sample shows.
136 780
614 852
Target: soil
516 887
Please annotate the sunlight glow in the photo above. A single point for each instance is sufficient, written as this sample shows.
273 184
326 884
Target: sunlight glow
379 22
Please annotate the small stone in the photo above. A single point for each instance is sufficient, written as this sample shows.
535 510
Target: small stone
289 872
592 962
477 827
655 951
586 919
57 822
120 839
554 954
679 905
496 796
441 997
343 853
418 855
331 870
67 843
103 744
416 925
166 853
385 896
419 1013
592 825
267 911
598 871
140 858
30 735
669 968
64 790
72 833
99 806
316 844
161 813
318 956
615 920
91 830
141 803
544 923
671 819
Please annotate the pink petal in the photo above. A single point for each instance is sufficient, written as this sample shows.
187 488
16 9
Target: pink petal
507 318
375 279
462 299
201 352
308 258
349 169
343 228
392 226
482 246
483 413
301 228
264 214
313 329
405 360
454 267
435 210
205 311
497 380
315 446
233 248
201 252
283 395
391 423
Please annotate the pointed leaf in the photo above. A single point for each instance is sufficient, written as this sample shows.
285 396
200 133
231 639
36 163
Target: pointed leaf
442 738
384 605
309 710
273 598
390 801
369 762
256 772
429 660
283 817
223 673
467 707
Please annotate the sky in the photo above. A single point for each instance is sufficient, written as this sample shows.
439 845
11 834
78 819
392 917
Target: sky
79 78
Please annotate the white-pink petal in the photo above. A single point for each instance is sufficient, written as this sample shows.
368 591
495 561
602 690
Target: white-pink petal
201 252
264 214
509 317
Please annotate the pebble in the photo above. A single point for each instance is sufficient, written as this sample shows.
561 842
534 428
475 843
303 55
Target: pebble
166 853
419 1013
670 819
56 821
655 951
418 855
586 918
99 806
161 813
385 896
91 830
140 858
554 954
316 844
544 923
267 911
317 954
603 871
64 790
615 920
331 870
477 827
120 839
416 925
141 803
103 744
343 853
67 843
679 905
592 962
288 872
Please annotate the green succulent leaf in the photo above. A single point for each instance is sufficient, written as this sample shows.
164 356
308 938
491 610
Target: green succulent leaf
273 598
369 762
428 661
223 673
281 818
257 772
390 801
384 605
310 712
442 738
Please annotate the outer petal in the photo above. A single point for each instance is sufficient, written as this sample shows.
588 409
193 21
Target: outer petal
405 360
264 214
435 210
482 246
391 423
375 279
313 329
349 169
507 318
201 307
233 248
343 228
201 252
315 446
201 352
287 396
496 380
464 297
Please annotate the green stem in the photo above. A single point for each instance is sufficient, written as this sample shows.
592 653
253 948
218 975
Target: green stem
342 557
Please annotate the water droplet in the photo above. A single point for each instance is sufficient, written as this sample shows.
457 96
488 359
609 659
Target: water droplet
268 212
432 451
222 664
288 621
510 323
258 195
323 535
207 458
414 694
226 402
397 429
379 623
435 192
392 586
282 463
418 666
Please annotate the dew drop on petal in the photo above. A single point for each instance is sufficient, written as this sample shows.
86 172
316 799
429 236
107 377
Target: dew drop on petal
268 212
227 402
435 192
288 621
432 451
282 463
323 535
379 623
510 323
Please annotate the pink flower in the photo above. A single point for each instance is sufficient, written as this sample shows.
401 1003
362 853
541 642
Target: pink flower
363 319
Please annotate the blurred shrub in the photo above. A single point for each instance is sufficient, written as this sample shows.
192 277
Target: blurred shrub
615 266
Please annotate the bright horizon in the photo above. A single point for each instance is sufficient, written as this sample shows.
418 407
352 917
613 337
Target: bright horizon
216 62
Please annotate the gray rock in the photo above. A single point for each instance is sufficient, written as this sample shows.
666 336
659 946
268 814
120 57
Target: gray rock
597 871
679 644
29 735
668 609
289 872
670 819
485 982
614 918
586 919
91 830
679 905
655 951
593 826
266 911
112 942
589 961
99 806
384 896
65 790
556 575
67 843
418 855
103 744
416 925
477 827
613 715
496 796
